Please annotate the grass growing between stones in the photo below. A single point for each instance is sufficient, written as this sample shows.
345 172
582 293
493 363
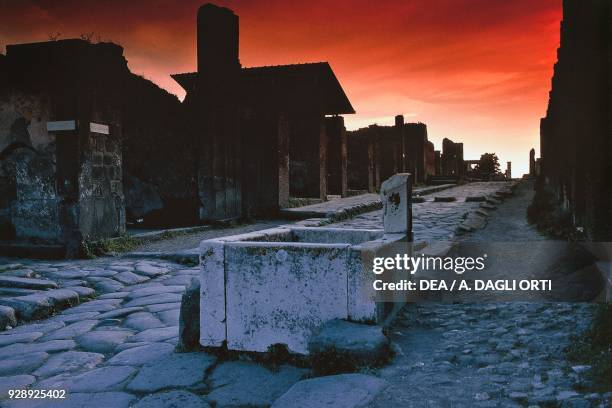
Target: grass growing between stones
594 348
93 249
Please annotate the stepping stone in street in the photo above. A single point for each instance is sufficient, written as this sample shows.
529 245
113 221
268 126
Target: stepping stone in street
138 356
102 341
69 361
338 391
63 298
130 278
239 383
174 370
100 379
470 199
26 283
170 399
444 199
14 382
9 338
30 307
23 363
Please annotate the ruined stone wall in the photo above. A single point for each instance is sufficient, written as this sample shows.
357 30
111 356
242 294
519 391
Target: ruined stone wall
63 186
575 134
159 156
452 158
27 169
416 154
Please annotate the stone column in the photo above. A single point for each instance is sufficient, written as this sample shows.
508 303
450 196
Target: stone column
343 163
322 160
283 161
396 196
371 166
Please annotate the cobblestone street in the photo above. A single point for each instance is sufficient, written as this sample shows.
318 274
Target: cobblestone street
117 350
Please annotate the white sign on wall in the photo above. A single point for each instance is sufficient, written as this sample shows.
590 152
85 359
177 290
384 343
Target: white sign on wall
61 125
98 128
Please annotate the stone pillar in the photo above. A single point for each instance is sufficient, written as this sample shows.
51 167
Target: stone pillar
371 166
396 196
343 163
532 170
283 161
322 160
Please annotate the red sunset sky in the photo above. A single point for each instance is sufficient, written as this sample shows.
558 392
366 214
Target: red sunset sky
476 71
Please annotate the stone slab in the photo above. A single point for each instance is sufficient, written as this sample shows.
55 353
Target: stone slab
243 384
172 371
137 356
338 391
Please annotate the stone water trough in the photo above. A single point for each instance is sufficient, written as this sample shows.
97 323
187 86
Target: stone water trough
279 286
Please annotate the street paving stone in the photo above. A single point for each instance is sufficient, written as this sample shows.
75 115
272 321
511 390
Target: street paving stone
242 384
68 361
174 370
102 341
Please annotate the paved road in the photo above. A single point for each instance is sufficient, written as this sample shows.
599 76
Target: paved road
117 350
491 354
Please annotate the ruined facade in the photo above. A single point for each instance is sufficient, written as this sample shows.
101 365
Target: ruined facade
576 132
60 143
377 152
452 159
262 133
532 162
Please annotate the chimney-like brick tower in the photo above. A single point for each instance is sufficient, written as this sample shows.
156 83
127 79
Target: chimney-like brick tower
217 40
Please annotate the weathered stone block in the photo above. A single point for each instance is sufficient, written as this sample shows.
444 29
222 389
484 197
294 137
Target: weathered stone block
340 391
346 346
396 194
189 319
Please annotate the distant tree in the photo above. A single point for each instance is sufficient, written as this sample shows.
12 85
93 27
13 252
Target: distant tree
488 166
54 36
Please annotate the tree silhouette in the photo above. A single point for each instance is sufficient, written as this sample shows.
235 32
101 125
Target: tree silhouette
488 166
